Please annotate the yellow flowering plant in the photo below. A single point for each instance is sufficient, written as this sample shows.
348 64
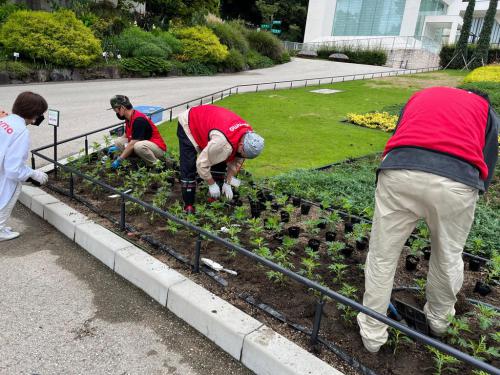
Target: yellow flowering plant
374 120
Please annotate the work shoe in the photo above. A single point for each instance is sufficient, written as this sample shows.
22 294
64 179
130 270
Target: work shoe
190 210
6 234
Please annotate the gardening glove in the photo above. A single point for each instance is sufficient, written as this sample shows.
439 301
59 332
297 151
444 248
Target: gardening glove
112 150
116 164
214 190
227 191
40 177
235 182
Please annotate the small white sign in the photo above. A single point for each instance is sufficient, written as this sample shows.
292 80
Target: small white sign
16 54
53 117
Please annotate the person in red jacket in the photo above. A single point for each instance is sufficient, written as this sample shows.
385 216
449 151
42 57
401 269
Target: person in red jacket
212 140
141 137
442 155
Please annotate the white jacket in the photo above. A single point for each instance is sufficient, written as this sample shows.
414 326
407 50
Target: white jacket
14 151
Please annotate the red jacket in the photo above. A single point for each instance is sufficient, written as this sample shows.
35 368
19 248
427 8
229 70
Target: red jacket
446 120
155 137
203 119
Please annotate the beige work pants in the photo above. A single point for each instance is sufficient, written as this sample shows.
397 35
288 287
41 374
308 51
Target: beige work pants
401 199
146 150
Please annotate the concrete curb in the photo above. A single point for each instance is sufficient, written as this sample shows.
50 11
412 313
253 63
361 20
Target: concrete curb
256 346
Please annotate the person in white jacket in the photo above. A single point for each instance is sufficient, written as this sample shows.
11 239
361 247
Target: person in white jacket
28 109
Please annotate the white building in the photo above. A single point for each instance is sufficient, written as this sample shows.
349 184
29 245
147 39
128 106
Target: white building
415 23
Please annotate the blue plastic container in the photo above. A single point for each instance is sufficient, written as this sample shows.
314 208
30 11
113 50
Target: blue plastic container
148 109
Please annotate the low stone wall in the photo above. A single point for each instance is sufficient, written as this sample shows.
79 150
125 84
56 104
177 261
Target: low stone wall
411 59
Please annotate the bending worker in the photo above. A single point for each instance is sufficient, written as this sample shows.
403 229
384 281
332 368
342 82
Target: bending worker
141 137
223 141
442 154
28 109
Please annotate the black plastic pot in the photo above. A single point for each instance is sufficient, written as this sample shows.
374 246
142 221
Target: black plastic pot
411 262
322 223
236 195
482 288
313 243
264 196
296 201
171 180
348 227
255 209
305 208
294 232
427 253
275 206
330 236
279 236
362 244
354 220
285 217
347 251
474 264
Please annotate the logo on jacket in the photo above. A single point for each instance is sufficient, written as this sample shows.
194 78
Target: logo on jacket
237 126
6 127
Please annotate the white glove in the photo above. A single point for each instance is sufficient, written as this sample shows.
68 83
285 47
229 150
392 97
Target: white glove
227 191
235 182
214 190
40 177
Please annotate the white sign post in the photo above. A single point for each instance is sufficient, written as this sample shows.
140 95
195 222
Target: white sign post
54 121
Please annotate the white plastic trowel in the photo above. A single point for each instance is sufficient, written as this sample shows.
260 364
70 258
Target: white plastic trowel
217 267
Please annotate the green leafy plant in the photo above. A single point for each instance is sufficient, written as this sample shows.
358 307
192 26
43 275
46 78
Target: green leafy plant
480 350
442 362
338 269
487 316
456 328
348 313
421 284
396 339
200 44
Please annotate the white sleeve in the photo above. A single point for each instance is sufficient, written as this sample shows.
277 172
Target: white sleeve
15 158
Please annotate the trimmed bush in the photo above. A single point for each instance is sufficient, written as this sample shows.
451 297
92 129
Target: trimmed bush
256 61
200 44
356 55
235 61
448 51
230 36
146 66
374 120
490 73
266 44
59 38
7 9
135 42
169 38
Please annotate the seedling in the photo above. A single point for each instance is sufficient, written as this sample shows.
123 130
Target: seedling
456 329
487 317
443 362
334 250
480 349
421 284
397 338
348 313
338 269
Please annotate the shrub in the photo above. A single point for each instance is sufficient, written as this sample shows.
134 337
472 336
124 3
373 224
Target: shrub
235 61
266 44
147 66
490 73
169 38
57 37
135 42
356 55
107 27
374 120
200 44
230 36
7 9
447 52
16 69
256 61
491 88
197 68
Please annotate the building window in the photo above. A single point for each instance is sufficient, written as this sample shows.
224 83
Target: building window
429 8
368 17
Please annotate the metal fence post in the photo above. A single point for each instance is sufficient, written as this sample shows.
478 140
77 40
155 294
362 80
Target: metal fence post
197 253
170 115
122 213
71 185
86 146
317 320
33 166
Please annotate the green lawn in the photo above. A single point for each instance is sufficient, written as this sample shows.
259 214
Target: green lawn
305 130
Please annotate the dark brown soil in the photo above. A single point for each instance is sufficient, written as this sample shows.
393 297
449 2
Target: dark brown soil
291 299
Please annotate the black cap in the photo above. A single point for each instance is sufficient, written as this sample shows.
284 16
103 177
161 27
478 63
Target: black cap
119 100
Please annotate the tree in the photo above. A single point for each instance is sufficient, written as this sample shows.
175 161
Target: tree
480 56
461 47
267 10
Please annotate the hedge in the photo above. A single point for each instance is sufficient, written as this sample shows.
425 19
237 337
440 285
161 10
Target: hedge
356 55
200 44
490 73
447 52
135 42
58 38
230 36
147 66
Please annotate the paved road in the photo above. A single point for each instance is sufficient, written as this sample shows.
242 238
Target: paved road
63 312
83 104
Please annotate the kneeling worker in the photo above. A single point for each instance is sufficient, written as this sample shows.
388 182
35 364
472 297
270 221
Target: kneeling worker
141 137
223 140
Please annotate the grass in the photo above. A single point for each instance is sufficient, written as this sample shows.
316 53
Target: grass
305 130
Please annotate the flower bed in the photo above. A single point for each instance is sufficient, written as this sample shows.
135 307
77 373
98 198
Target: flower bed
318 243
